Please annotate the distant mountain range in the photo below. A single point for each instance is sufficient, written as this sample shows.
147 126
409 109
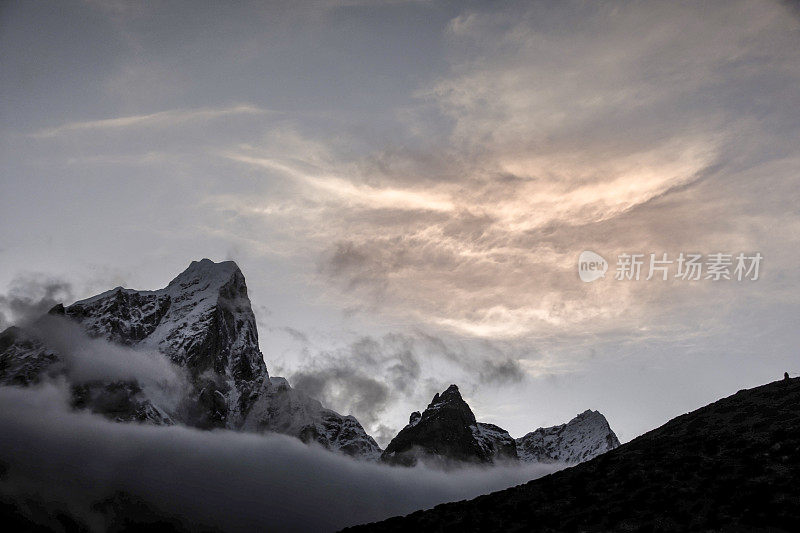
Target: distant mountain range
202 321
447 431
730 466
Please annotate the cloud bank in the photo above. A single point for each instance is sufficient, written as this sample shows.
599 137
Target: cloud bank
83 464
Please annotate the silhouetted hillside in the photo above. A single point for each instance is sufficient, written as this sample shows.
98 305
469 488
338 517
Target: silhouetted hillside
733 465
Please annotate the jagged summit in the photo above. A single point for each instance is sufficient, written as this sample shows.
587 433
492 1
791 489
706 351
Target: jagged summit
208 272
202 320
204 269
450 399
451 394
447 430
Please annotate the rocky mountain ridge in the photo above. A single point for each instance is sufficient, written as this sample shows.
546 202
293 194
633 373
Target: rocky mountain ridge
447 431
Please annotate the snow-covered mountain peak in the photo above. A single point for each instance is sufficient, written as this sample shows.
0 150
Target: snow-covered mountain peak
447 429
202 321
207 272
582 438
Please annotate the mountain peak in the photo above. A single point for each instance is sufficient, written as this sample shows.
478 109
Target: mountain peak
447 431
729 466
582 438
450 395
452 390
202 320
207 269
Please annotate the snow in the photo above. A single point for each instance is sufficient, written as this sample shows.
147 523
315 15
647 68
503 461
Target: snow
193 294
582 438
491 438
179 318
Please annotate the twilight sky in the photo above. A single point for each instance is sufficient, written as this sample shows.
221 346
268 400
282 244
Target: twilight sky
407 187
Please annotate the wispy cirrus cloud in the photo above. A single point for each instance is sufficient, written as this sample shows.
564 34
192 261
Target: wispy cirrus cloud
349 191
171 117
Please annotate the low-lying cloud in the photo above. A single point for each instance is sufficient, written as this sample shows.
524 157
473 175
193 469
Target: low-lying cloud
94 359
81 463
84 359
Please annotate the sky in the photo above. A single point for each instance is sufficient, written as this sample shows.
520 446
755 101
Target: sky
407 186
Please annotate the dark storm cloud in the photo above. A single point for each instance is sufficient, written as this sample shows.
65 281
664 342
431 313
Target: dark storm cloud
30 297
500 372
345 386
231 481
372 374
363 378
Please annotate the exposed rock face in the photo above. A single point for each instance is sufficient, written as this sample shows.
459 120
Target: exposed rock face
203 322
584 437
23 358
495 441
447 430
121 401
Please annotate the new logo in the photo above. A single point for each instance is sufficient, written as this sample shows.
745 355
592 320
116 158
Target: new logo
591 266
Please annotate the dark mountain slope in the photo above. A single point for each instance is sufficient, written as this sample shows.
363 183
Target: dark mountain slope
447 430
733 465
